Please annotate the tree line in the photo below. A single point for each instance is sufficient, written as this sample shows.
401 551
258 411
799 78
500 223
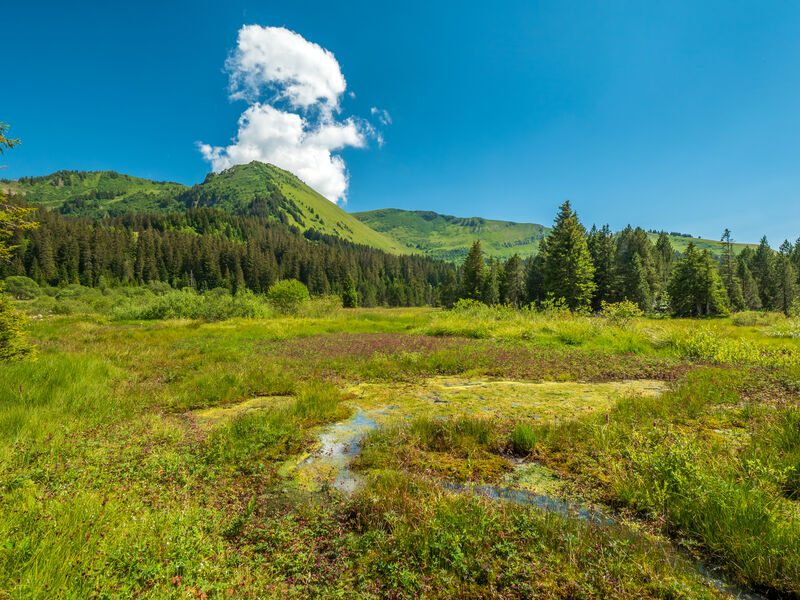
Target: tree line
207 248
586 269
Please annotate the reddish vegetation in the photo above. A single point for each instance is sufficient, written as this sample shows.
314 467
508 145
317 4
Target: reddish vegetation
351 355
362 345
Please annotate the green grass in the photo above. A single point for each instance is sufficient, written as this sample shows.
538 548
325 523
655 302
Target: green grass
115 481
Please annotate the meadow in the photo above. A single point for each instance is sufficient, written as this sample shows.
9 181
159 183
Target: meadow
170 444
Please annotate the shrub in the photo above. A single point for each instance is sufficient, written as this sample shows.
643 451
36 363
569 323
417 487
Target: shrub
159 288
620 313
288 295
22 288
12 342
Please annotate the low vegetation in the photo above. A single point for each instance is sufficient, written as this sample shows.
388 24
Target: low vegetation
151 456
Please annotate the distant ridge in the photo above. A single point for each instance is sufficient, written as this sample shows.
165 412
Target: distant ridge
260 188
449 238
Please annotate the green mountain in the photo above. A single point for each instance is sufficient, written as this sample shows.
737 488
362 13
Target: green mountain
254 188
449 238
92 193
265 190
259 186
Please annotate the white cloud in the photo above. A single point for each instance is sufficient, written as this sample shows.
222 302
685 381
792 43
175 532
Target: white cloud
275 58
384 118
295 128
267 134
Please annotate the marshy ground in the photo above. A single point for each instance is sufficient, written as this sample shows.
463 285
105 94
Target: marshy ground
402 453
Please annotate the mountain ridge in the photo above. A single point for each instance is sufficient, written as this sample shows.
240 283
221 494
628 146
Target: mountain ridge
261 188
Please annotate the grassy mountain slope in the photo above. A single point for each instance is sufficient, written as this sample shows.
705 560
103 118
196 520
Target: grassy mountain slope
449 238
236 189
94 193
255 187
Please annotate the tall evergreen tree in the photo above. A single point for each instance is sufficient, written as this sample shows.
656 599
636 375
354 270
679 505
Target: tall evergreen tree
696 288
763 268
534 278
785 279
512 285
635 242
728 268
474 273
664 259
750 295
568 268
491 283
602 248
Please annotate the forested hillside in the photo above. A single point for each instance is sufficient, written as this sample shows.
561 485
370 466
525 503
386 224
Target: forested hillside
207 248
449 238
254 188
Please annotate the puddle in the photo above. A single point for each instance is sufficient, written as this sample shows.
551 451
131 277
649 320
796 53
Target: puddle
528 484
528 498
339 444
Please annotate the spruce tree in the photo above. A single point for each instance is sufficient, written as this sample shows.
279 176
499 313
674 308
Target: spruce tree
763 269
602 248
728 270
491 283
534 278
630 243
568 268
696 289
750 295
785 279
512 288
474 273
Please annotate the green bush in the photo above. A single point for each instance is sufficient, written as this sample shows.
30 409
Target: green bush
620 313
288 295
215 305
22 288
12 341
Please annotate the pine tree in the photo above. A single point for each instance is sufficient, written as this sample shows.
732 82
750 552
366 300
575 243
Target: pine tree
350 293
512 288
728 270
664 259
491 283
696 288
602 248
785 279
750 295
630 243
638 287
534 278
568 268
763 269
474 273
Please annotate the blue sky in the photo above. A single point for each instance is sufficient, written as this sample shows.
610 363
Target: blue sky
678 115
